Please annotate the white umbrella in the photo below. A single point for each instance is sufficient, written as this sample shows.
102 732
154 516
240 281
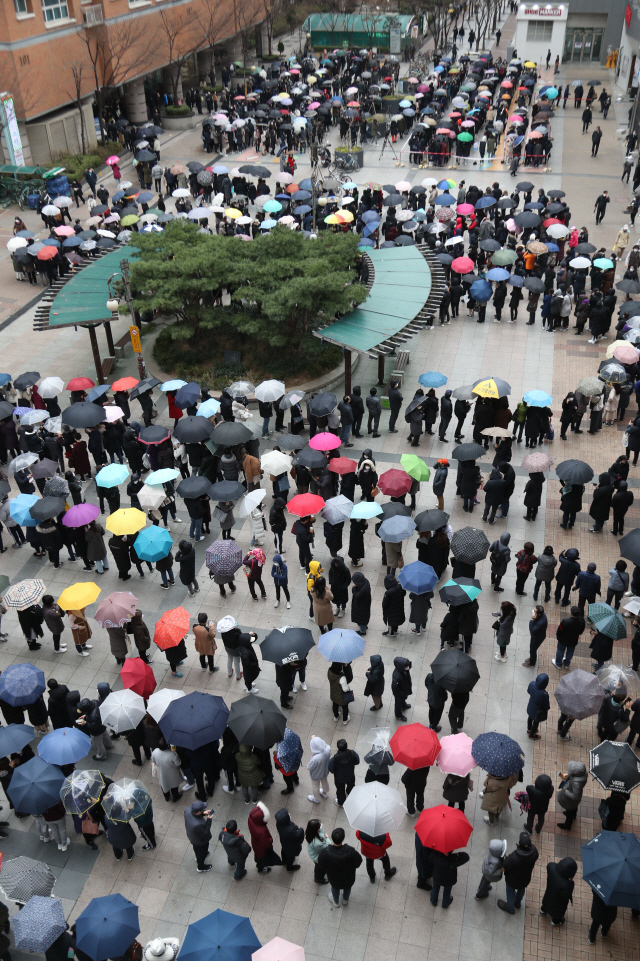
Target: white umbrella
181 192
269 389
291 398
251 501
125 184
122 711
51 211
160 701
200 213
106 233
148 218
15 243
403 215
557 231
63 201
113 413
275 462
374 808
429 182
54 425
580 263
151 497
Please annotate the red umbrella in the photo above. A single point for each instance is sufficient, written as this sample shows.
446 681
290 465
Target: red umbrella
415 746
462 265
125 383
47 253
172 627
137 676
80 383
394 482
443 828
342 465
551 220
305 504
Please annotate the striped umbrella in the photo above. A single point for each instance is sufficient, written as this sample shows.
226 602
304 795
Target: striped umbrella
21 878
39 924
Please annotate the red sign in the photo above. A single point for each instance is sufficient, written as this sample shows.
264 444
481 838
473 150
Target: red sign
627 16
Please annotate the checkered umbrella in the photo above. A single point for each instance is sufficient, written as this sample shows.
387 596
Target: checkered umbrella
608 621
470 544
39 924
223 558
81 790
25 593
21 878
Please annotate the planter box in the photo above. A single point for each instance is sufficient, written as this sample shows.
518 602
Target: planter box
181 123
391 106
355 152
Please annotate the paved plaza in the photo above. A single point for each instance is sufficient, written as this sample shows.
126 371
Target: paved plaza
385 920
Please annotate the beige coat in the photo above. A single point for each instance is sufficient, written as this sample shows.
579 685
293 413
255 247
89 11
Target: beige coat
205 639
322 608
394 553
621 242
496 792
252 469
79 626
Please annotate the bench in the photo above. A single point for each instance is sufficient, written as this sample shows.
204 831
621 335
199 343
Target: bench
401 363
121 344
107 366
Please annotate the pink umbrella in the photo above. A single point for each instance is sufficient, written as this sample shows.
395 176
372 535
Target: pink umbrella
462 265
455 755
516 118
413 80
506 84
64 231
422 88
465 209
325 440
113 414
626 354
312 106
352 103
112 160
534 135
467 123
279 950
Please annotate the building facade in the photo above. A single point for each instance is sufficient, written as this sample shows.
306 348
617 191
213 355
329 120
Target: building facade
580 31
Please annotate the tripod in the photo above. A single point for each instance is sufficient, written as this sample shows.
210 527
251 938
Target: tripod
387 143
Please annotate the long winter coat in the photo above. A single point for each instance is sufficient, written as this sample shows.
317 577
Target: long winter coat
360 599
496 792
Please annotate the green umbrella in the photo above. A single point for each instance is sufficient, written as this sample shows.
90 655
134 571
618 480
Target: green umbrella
415 467
129 220
465 137
272 206
502 257
608 621
603 263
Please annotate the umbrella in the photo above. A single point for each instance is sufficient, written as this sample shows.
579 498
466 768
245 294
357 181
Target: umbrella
538 398
81 790
194 720
20 509
579 694
290 398
415 467
365 510
137 676
122 711
160 701
269 390
143 386
430 520
193 429
537 462
415 746
607 621
629 546
455 672
324 440
83 414
223 558
21 684
257 721
220 936
187 395
443 828
498 754
470 451
47 507
112 475
31 377
80 514
14 737
394 509
470 545
163 476
283 645
589 386
193 486
251 500
574 471
614 765
106 927
171 628
35 787
611 867
337 509
310 458
341 646
45 468
455 755
226 491
275 462
396 529
126 799
39 924
277 950
322 404
21 878
304 504
66 745
418 577
152 543
209 408
34 417
78 595
126 520
395 482
374 808
491 387
342 465
230 433
432 379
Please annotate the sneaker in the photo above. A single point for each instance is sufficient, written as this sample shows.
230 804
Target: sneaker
61 650
87 570
277 604
505 907
164 587
486 819
347 721
87 647
207 867
200 538
99 757
322 794
63 847
310 797
288 605
186 786
556 665
82 653
303 686
294 690
176 674
227 790
333 903
148 847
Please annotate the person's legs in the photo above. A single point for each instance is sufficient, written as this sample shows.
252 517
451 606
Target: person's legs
201 852
341 790
435 891
335 895
483 889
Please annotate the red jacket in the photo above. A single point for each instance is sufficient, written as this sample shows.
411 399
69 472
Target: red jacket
174 411
373 848
261 839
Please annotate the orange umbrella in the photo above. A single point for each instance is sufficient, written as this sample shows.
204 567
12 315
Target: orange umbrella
171 628
125 383
291 189
47 253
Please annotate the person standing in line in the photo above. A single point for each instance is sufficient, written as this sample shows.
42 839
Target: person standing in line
197 822
236 849
401 686
415 783
620 504
504 629
339 862
537 634
360 602
602 917
495 795
395 405
375 849
250 775
342 765
168 767
540 795
525 559
440 479
492 868
120 834
518 869
317 841
445 875
437 698
291 838
546 565
318 768
568 634
456 789
570 792
559 890
261 839
618 583
205 642
538 706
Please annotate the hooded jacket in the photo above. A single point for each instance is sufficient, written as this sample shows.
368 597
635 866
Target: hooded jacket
538 629
569 629
340 864
492 864
360 599
318 765
500 553
91 712
187 561
235 846
440 479
545 567
538 697
570 792
533 489
519 865
445 867
446 409
602 496
375 676
569 567
249 772
401 678
279 570
540 794
559 890
436 695
342 765
277 520
198 827
291 836
373 848
357 403
393 602
261 840
496 792
57 706
621 500
339 581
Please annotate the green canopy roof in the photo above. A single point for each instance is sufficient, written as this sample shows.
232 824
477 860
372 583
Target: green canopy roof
401 287
83 299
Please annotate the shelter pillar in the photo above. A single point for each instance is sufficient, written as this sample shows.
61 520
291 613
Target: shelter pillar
110 343
380 370
347 371
135 101
96 353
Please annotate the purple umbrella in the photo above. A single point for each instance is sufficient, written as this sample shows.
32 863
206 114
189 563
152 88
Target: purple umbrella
223 558
80 514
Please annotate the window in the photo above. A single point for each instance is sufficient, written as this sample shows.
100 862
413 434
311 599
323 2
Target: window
93 16
537 31
55 10
21 6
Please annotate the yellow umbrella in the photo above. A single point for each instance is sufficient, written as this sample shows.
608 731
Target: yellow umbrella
529 63
491 387
233 212
613 346
77 596
128 520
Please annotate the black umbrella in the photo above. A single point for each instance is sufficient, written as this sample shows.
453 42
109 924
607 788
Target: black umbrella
525 185
574 472
393 509
229 433
556 193
6 409
615 766
470 544
193 486
308 457
630 546
414 404
187 396
534 284
47 507
460 591
287 644
431 520
470 451
291 442
489 244
257 721
146 156
226 490
445 259
394 200
455 672
45 468
194 720
28 379
322 404
629 309
195 166
255 170
155 434
106 243
585 248
131 212
83 414
99 209
629 286
555 208
506 203
193 429
144 385
527 219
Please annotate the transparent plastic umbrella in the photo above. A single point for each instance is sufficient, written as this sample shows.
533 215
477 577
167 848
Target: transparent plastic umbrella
126 799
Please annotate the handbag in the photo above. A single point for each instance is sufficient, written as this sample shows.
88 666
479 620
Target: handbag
283 484
375 491
219 514
89 826
541 715
348 697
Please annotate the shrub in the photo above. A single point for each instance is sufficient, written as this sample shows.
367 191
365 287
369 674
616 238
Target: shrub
183 111
76 164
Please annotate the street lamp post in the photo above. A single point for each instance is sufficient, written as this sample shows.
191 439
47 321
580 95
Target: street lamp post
123 280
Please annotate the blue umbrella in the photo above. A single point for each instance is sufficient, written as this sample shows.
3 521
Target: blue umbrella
538 398
51 242
370 228
289 751
72 242
112 475
365 510
98 391
611 867
498 273
339 645
302 209
163 476
66 745
516 280
396 529
21 684
208 409
39 924
366 242
14 737
481 290
106 927
220 936
194 720
173 384
553 248
306 184
498 754
19 509
152 544
268 224
418 577
432 379
4 379
35 786
534 205
188 395
444 200
485 202
301 195
118 195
